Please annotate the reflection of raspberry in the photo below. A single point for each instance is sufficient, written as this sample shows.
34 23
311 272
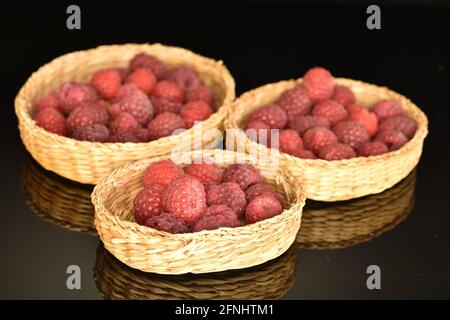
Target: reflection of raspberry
124 122
262 207
333 111
50 100
124 137
162 173
148 203
242 174
164 125
167 222
393 139
195 111
85 115
107 82
351 133
372 149
206 173
271 115
295 102
401 123
337 151
51 120
169 90
72 95
344 95
366 118
144 60
387 108
228 194
185 77
144 79
319 83
290 141
260 189
93 132
303 154
201 93
303 123
216 217
316 138
161 105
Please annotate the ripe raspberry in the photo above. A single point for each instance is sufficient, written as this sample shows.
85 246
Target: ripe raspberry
304 123
228 194
132 100
185 77
343 95
169 90
144 60
319 83
123 72
51 120
242 174
401 123
372 149
316 138
85 115
127 91
393 139
295 102
144 79
143 134
195 111
303 154
167 222
333 111
123 137
262 207
149 202
366 118
72 95
206 173
260 189
103 104
216 217
164 125
387 108
290 141
259 132
271 115
107 82
200 93
92 132
161 105
124 122
50 100
337 151
185 198
351 133
162 173
354 107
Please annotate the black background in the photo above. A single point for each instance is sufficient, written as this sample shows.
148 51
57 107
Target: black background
260 42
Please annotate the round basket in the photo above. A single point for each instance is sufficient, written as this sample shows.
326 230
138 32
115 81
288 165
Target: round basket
344 224
57 200
88 162
334 180
155 251
272 280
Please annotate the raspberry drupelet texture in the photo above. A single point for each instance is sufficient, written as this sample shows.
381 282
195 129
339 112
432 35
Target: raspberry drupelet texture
304 123
272 115
242 174
261 208
93 132
186 78
319 83
144 60
162 173
195 111
164 125
372 149
149 202
337 151
86 115
107 82
216 216
167 222
144 79
72 95
295 102
51 120
206 173
333 111
228 194
351 133
316 138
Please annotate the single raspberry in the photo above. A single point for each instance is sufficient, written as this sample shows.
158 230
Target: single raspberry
185 77
302 124
366 118
242 174
217 216
123 72
260 189
127 90
124 122
259 132
295 102
402 123
164 125
387 108
144 60
393 139
185 198
123 137
107 83
200 93
372 149
132 100
206 173
85 115
167 222
72 95
343 95
149 202
228 194
316 138
92 132
263 207
351 133
50 100
162 173
161 105
271 115
290 141
319 83
333 111
169 90
51 120
337 151
143 134
195 111
303 154
144 79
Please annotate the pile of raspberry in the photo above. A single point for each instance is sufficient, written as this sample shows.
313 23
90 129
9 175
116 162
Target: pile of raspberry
203 196
319 119
141 103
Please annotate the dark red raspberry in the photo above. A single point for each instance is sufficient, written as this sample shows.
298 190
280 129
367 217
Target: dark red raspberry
107 82
319 83
260 189
92 132
200 93
51 120
263 207
162 173
344 95
259 132
333 111
143 134
50 100
123 137
85 115
72 95
167 222
144 79
103 104
316 138
242 174
372 149
304 123
144 60
401 123
164 125
387 108
393 139
185 77
271 115
124 122
206 173
123 72
185 198
228 194
290 141
366 118
195 111
168 90
351 133
295 102
132 100
216 217
303 154
337 151
161 105
149 202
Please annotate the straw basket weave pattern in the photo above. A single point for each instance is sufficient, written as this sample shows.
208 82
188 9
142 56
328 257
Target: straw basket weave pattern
152 250
343 179
88 162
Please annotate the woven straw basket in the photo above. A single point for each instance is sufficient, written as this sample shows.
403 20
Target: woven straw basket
343 179
57 200
344 224
151 250
88 162
272 280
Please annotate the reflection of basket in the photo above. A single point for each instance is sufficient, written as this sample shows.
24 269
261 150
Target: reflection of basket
271 280
57 200
343 224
